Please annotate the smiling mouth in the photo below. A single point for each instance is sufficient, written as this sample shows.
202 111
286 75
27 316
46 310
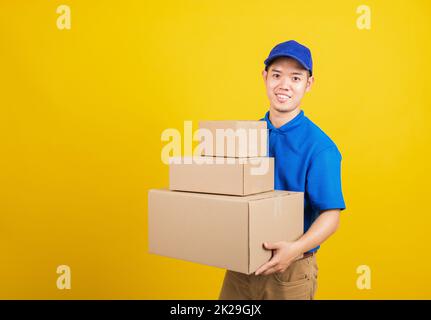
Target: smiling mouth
282 97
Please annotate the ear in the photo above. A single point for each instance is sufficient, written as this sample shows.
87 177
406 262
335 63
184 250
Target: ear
310 82
264 74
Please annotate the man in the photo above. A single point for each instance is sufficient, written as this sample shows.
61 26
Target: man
306 160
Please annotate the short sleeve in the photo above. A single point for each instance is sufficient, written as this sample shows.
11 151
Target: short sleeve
323 186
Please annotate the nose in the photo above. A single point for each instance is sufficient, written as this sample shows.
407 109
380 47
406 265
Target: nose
285 84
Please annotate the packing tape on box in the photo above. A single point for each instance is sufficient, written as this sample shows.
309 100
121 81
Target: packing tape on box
278 207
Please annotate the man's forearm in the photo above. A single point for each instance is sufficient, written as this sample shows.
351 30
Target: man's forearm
322 228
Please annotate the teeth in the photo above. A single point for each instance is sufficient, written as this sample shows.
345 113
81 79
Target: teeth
282 97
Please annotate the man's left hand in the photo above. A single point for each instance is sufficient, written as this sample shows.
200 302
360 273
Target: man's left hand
284 253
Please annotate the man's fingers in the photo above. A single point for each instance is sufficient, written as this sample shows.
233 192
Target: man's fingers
271 263
271 270
262 268
271 245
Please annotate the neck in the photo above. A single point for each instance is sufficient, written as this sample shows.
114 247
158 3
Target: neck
279 119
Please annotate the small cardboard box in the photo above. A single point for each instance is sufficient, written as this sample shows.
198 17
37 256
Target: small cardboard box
222 231
238 139
231 176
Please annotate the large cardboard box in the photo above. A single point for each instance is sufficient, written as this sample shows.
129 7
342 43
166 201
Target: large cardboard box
222 231
239 139
231 176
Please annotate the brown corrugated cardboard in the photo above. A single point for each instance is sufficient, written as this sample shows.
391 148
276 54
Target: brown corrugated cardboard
231 176
222 231
235 138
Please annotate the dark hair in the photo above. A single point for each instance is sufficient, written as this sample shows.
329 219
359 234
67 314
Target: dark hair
271 62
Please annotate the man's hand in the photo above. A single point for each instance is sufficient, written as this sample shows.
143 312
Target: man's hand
283 255
286 252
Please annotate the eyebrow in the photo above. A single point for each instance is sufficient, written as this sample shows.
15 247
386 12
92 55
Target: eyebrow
298 73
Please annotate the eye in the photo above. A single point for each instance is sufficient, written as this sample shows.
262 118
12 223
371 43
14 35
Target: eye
276 75
296 79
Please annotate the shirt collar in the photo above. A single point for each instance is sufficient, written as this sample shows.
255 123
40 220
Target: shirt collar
287 126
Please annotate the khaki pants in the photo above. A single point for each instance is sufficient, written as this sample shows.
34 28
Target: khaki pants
298 282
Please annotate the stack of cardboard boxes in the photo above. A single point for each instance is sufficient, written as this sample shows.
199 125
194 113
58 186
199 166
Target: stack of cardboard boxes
221 206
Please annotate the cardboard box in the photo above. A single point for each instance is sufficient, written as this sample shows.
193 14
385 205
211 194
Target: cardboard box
231 176
222 231
238 139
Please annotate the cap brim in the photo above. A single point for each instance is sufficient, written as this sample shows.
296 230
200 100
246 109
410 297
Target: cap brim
269 60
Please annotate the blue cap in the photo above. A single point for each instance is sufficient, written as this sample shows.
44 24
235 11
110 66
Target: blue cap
292 49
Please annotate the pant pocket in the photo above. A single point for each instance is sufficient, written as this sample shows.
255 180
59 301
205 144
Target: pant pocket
287 281
295 283
288 290
298 271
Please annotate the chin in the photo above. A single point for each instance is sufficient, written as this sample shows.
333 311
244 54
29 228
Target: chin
283 108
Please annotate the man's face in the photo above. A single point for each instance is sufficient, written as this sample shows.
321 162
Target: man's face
286 83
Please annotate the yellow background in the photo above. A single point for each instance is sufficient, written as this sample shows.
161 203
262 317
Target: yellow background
82 111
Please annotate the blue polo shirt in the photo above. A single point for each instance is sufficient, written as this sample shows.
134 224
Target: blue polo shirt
306 160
